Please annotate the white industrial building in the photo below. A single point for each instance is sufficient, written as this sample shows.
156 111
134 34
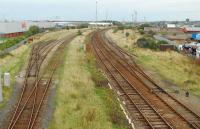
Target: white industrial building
171 26
100 24
16 28
11 27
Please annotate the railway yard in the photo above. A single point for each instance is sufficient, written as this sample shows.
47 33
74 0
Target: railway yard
60 88
139 92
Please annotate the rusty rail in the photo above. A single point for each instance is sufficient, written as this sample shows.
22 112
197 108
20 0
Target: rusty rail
109 51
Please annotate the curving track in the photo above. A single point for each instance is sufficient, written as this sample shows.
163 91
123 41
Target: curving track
148 105
36 85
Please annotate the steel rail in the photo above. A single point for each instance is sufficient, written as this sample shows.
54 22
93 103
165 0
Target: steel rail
134 89
192 123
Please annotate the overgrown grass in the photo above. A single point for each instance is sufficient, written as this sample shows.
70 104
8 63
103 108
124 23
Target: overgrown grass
171 66
80 102
13 63
113 110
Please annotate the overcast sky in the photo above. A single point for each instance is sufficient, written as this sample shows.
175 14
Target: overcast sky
153 10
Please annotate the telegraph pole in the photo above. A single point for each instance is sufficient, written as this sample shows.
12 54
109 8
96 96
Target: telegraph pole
96 12
136 16
132 20
106 15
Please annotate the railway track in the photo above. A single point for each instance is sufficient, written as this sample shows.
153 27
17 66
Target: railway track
148 105
36 84
183 111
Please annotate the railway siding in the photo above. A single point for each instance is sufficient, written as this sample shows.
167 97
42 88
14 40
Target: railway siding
36 85
116 60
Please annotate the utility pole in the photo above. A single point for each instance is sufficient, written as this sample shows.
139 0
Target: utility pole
145 20
96 12
132 20
135 16
106 15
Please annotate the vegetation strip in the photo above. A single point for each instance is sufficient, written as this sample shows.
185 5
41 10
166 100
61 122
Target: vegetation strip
82 100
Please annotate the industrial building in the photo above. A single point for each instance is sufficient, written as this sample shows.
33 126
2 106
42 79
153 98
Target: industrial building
100 24
15 28
191 29
11 29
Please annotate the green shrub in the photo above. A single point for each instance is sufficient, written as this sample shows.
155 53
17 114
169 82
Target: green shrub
141 27
127 34
147 43
34 30
141 31
11 42
115 30
84 25
161 42
79 32
121 27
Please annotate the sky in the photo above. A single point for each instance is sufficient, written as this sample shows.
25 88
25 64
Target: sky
84 10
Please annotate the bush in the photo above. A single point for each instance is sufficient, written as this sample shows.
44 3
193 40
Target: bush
79 32
141 31
11 42
116 23
34 30
127 34
85 25
115 30
161 42
141 27
147 43
121 28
